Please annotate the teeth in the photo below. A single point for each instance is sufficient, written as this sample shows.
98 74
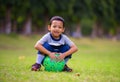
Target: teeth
56 32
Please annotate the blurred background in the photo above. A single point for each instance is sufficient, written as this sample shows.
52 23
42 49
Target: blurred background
83 18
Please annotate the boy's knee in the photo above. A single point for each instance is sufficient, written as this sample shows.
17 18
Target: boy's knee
67 47
46 46
64 48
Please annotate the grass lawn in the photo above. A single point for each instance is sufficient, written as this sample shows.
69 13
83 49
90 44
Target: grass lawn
97 60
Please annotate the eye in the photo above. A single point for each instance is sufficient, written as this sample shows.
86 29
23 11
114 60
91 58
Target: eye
60 27
54 26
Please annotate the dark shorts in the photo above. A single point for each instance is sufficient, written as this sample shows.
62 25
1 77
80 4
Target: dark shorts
57 49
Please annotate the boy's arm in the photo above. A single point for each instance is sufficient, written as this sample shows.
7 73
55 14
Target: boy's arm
39 47
72 49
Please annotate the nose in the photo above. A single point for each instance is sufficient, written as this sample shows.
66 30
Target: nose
57 28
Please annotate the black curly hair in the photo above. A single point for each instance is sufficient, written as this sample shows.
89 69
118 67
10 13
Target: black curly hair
57 18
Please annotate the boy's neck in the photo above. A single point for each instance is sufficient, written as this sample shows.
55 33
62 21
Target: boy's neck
56 39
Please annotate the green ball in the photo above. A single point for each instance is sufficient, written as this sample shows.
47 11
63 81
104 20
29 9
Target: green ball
55 65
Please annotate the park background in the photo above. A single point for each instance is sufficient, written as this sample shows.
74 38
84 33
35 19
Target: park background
93 25
93 18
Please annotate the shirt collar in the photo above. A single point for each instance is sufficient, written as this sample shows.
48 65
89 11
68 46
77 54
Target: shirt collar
54 38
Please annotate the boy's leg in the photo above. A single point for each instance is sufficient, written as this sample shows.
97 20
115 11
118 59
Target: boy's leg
40 57
63 49
66 60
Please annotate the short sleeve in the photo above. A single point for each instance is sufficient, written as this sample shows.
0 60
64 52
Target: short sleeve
68 41
44 39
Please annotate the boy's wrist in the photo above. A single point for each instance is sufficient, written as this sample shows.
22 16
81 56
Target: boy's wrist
64 54
49 53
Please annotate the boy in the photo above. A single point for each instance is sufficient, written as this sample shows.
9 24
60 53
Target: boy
54 42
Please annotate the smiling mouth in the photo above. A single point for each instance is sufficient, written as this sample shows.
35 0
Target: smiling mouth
56 32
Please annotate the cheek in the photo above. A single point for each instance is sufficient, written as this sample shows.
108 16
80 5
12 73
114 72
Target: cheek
63 30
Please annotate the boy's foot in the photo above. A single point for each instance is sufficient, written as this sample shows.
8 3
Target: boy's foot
36 67
67 69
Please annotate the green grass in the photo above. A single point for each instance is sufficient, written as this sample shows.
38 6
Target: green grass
97 60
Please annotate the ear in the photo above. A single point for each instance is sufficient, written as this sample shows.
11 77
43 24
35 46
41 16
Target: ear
49 28
63 29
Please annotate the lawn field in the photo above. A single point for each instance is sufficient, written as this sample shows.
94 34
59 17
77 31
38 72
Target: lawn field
97 60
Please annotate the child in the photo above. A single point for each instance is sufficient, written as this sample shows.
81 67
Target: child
54 42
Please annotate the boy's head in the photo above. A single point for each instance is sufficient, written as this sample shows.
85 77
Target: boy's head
56 26
57 18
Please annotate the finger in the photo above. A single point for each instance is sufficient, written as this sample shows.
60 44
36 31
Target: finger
60 59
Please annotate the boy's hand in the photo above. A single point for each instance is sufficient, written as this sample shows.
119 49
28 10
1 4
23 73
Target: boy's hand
52 55
61 56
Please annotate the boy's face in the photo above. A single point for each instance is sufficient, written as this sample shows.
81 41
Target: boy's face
56 28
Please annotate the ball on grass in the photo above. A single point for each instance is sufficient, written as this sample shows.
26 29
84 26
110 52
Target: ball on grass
55 65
